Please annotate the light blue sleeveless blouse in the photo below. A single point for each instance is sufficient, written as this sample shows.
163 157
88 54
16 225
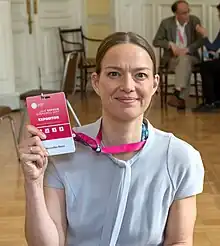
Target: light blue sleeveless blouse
110 202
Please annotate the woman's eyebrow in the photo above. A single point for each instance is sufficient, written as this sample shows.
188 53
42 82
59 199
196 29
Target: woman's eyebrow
141 68
133 69
113 67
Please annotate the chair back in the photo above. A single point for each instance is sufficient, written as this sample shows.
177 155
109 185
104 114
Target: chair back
68 83
202 53
72 40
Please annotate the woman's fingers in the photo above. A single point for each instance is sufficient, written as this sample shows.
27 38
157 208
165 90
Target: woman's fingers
37 150
31 143
36 141
33 131
27 158
32 149
33 154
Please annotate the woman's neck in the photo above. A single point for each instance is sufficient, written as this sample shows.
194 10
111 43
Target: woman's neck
115 132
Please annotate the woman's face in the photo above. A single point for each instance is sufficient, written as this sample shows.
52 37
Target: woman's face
126 83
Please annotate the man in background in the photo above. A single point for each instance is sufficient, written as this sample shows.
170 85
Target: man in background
210 73
178 37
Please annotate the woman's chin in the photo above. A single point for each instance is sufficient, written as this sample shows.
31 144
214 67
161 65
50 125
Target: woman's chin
127 114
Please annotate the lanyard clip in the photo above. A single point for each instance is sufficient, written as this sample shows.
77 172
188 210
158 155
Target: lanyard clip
97 149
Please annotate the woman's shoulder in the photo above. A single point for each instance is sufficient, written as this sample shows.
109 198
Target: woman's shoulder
179 152
176 145
186 169
184 165
182 150
90 129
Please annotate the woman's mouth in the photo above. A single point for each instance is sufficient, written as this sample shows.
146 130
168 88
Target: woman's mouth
127 99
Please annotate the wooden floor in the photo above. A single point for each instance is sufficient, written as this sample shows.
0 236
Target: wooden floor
201 130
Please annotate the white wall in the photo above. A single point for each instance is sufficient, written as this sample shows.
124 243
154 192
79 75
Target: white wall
8 96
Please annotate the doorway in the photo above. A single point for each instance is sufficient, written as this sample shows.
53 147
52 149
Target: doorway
36 44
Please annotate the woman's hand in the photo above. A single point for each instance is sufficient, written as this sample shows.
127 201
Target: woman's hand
200 29
212 53
33 155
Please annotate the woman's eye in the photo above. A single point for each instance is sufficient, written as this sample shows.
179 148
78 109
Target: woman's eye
113 74
141 76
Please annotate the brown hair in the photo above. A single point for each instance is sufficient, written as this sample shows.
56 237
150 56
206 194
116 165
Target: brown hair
218 7
174 6
123 38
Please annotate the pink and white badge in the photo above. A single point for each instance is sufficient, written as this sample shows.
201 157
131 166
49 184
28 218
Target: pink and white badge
49 114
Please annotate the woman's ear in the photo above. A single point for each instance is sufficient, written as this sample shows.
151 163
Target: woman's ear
156 82
95 82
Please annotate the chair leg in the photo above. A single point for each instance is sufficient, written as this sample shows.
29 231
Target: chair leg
161 90
12 124
196 88
73 113
166 88
21 128
203 99
81 81
86 79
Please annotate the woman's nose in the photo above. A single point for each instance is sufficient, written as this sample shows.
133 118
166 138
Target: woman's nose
128 83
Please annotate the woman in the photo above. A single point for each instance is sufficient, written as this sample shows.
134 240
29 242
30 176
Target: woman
210 72
139 190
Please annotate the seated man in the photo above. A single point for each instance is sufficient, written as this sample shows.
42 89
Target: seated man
210 73
178 37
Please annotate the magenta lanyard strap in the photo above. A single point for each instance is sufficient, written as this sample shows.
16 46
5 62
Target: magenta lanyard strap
95 144
86 140
123 148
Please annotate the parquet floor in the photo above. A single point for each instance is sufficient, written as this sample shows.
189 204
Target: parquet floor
201 130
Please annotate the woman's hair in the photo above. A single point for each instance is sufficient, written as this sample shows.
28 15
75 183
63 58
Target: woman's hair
218 7
123 38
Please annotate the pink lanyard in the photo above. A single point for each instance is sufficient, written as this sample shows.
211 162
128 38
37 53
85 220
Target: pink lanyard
180 36
95 144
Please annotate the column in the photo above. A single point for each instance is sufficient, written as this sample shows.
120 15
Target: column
8 96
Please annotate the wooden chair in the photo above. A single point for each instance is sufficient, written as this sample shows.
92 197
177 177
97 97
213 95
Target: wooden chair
68 86
164 72
4 114
74 40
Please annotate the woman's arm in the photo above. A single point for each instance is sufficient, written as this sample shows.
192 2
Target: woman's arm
181 221
44 226
213 46
55 201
